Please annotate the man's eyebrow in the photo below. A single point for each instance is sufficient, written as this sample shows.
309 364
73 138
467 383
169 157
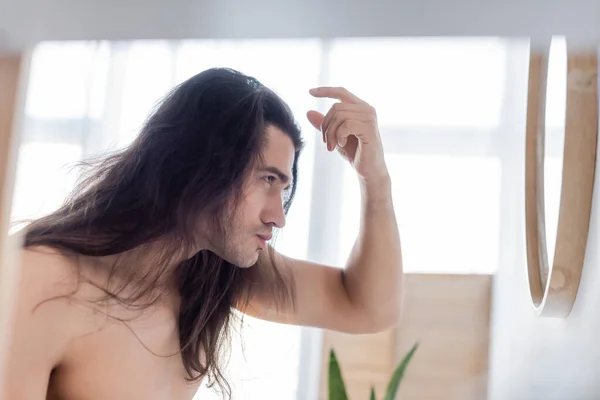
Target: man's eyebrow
276 171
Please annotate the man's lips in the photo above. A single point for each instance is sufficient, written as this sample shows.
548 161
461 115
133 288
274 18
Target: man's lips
266 237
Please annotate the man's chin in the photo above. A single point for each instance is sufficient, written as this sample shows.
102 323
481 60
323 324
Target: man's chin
247 263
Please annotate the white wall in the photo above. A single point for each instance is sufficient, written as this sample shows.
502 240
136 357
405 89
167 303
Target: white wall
533 357
25 22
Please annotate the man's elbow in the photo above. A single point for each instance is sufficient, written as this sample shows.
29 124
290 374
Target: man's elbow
389 320
379 321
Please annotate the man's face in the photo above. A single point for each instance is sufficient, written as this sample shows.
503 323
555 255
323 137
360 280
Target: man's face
261 206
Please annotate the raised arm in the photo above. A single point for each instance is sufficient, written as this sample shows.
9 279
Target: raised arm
367 295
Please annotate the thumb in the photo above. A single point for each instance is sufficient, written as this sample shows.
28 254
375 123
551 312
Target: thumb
315 118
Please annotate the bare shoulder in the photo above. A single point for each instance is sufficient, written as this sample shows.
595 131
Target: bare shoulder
45 279
44 273
41 324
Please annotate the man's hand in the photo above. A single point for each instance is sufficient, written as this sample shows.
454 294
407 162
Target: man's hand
351 127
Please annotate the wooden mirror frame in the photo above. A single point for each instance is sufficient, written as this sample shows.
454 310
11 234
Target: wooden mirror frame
553 290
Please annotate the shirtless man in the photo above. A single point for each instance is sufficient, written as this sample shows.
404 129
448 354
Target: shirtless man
127 291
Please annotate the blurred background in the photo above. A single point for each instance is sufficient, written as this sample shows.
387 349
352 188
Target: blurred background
452 116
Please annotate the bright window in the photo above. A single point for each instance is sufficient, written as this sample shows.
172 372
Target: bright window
447 206
447 209
44 178
442 82
68 80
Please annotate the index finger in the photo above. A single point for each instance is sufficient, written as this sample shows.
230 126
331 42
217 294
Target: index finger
339 93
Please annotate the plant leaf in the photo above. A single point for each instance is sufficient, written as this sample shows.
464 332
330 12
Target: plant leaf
398 374
373 393
337 389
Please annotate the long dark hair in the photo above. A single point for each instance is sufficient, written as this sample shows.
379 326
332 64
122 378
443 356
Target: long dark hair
191 158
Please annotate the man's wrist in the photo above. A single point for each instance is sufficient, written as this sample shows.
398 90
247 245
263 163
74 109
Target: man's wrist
376 188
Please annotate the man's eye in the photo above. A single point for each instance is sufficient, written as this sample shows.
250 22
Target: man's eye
270 179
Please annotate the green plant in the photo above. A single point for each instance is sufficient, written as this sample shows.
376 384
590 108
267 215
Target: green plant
337 388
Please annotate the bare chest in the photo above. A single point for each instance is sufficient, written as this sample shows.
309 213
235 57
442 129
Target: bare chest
139 361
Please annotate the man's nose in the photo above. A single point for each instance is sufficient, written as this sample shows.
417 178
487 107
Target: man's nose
274 213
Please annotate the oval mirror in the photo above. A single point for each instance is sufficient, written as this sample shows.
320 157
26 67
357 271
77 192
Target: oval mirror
560 167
